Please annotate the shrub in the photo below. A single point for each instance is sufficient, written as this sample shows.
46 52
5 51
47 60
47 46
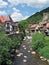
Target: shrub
47 40
45 52
6 45
38 41
16 40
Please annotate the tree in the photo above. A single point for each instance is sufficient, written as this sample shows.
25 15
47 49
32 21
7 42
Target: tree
7 44
23 25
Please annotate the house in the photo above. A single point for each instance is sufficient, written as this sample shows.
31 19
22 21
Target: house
47 29
42 25
47 25
37 27
33 27
10 26
44 22
2 19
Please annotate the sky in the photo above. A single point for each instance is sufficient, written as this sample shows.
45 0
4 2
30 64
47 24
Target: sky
21 9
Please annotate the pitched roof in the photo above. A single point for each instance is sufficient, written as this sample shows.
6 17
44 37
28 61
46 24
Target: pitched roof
47 25
2 19
37 27
32 25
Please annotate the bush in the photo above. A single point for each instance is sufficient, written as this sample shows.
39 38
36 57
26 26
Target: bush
38 41
47 40
45 52
16 40
4 55
6 45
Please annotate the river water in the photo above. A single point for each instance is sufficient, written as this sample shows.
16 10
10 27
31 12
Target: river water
26 56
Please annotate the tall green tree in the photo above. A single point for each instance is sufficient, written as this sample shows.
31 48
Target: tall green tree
23 25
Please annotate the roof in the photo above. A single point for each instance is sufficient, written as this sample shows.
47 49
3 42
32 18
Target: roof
38 26
32 25
42 23
13 24
2 19
47 25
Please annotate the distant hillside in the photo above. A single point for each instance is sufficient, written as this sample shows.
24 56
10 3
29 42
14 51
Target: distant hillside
37 17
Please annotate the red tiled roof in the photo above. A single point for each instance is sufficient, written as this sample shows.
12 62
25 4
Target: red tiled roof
32 25
47 25
2 19
38 26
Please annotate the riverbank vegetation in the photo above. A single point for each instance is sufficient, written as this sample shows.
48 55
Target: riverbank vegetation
7 45
40 43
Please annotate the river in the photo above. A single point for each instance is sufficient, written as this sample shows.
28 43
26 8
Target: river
26 56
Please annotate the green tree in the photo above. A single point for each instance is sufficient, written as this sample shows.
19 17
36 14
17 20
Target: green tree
7 44
23 25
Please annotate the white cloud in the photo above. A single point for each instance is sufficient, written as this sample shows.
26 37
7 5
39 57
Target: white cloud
16 2
3 3
25 17
16 16
32 3
37 3
16 10
3 13
42 1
